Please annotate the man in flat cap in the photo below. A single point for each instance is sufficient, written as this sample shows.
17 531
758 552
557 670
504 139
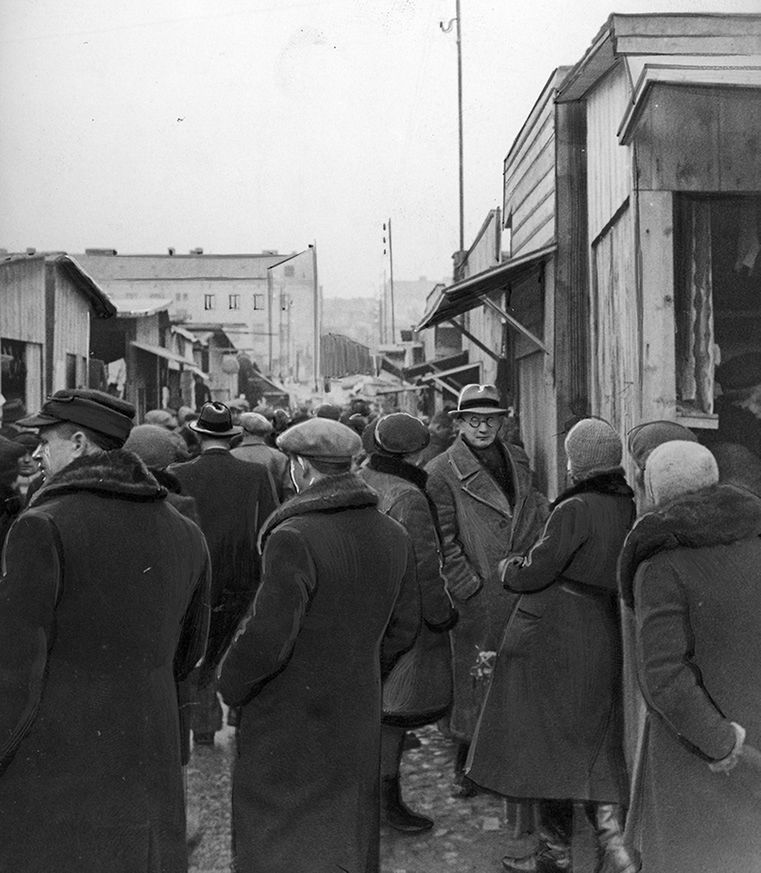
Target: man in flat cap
233 499
338 604
255 448
98 620
739 406
488 508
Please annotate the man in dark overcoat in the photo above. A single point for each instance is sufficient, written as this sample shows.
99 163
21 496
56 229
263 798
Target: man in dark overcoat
338 604
487 507
690 571
103 607
233 499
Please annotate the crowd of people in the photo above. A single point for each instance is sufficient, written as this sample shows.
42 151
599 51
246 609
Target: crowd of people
340 577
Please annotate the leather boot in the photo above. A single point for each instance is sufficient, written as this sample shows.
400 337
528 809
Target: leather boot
396 814
615 857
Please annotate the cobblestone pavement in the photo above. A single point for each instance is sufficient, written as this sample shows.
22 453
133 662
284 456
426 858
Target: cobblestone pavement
467 837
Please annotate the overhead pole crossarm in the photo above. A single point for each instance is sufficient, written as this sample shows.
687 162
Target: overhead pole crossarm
514 323
475 340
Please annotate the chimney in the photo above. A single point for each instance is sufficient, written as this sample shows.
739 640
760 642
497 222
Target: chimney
31 250
171 251
196 251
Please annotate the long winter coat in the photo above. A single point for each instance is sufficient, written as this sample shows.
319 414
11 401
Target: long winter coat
103 605
254 450
422 690
479 527
338 604
691 568
233 499
551 725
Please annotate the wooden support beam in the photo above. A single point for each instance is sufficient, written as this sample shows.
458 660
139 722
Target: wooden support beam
515 324
442 384
481 345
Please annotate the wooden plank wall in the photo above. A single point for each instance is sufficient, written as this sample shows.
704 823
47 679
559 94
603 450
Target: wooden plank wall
22 300
70 331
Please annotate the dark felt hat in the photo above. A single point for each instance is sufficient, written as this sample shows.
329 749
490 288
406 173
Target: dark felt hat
742 371
479 399
647 436
401 434
96 410
215 420
320 438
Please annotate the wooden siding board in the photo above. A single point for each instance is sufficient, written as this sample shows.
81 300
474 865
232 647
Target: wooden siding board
535 144
539 231
686 25
746 44
739 154
22 300
540 169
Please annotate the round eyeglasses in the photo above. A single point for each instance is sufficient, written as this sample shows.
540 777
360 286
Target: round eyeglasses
475 421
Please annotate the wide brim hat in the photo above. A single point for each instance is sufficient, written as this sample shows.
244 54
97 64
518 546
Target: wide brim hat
95 410
215 420
478 399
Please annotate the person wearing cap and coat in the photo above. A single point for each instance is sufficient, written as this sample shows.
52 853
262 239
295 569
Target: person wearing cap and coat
233 498
254 448
689 570
487 507
338 604
103 607
551 725
419 689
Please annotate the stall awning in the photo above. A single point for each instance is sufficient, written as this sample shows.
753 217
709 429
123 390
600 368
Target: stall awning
468 293
161 352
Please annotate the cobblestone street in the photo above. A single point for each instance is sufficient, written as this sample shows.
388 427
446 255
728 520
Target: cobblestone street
467 837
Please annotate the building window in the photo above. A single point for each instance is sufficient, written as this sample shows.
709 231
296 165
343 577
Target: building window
289 271
208 301
185 295
717 304
258 301
233 301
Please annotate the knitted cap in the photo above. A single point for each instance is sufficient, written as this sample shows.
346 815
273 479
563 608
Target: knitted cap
678 467
154 445
649 435
592 446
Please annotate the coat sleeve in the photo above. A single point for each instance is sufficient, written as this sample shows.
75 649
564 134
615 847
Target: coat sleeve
566 530
195 622
462 580
265 639
414 513
670 681
404 624
29 590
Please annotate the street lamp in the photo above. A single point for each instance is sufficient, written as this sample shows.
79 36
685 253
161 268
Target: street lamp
447 29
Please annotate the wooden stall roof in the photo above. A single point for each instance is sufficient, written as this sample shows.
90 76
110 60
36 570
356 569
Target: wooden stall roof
101 306
674 34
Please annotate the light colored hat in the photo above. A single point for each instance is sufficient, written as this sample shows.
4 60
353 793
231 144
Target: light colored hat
592 446
320 438
160 417
479 399
255 424
678 467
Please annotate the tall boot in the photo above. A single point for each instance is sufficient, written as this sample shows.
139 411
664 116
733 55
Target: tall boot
396 814
614 855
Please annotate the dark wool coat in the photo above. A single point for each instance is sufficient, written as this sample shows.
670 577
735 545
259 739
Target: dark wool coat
233 499
419 691
551 725
479 527
103 606
691 568
337 606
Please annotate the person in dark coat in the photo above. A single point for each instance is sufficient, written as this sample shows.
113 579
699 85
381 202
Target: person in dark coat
103 607
487 508
233 498
551 726
338 604
690 571
739 405
11 501
419 689
441 429
255 448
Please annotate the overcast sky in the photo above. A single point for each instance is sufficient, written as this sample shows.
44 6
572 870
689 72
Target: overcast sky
243 125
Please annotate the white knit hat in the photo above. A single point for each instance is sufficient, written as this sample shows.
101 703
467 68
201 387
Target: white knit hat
678 467
592 446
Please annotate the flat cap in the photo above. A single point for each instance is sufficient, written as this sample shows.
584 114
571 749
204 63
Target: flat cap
400 433
256 424
742 371
88 408
642 439
320 438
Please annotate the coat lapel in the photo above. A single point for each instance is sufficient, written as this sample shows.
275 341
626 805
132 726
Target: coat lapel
477 482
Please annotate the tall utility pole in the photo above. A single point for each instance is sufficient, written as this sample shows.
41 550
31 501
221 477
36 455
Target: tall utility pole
457 21
388 249
317 319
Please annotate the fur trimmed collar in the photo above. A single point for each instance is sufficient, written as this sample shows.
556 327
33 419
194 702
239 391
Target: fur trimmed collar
344 491
718 515
112 474
611 482
395 466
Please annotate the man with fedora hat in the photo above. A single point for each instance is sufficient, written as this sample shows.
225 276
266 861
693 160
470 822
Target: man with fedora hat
233 499
338 604
98 620
488 507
